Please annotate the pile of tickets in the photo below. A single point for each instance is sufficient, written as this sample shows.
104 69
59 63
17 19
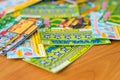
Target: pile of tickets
51 34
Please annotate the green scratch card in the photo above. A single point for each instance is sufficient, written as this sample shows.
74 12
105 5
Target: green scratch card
69 37
50 10
58 57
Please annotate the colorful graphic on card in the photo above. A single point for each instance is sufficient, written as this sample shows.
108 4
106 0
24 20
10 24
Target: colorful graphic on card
58 57
16 32
108 7
50 10
103 30
73 22
69 37
29 49
114 18
7 6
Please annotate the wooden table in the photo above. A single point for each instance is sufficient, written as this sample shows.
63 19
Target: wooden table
99 63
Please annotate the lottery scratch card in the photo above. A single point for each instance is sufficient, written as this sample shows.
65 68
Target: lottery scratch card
50 10
58 57
103 30
16 32
69 37
30 48
7 6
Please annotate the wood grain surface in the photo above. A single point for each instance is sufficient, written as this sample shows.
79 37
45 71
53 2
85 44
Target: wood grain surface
99 63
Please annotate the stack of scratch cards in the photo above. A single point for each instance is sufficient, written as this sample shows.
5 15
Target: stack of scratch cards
16 32
53 34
